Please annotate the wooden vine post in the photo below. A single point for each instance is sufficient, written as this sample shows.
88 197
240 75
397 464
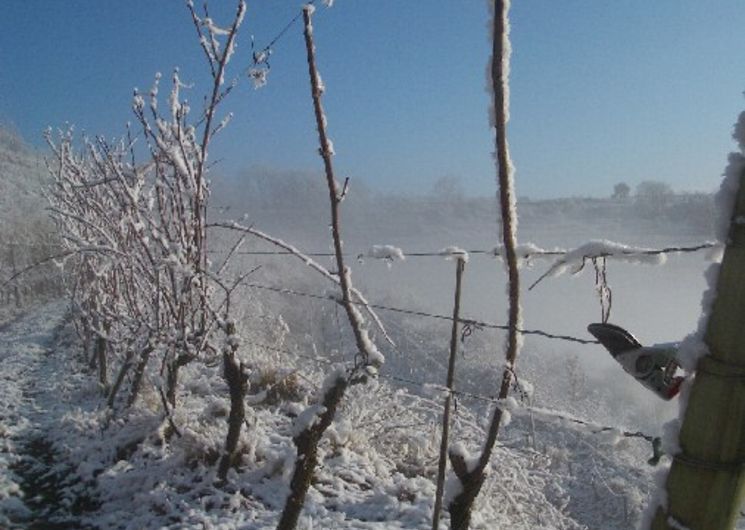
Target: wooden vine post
460 265
706 483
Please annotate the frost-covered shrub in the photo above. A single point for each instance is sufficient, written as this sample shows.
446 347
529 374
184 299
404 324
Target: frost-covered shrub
148 301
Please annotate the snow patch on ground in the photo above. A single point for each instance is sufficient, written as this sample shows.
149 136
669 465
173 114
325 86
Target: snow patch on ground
25 406
379 458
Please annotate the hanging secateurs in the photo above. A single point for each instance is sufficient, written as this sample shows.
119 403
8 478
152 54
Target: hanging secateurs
653 366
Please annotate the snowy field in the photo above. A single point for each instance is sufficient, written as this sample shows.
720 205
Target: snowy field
378 460
571 458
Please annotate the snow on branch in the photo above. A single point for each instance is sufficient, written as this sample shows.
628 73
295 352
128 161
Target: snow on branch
310 262
210 34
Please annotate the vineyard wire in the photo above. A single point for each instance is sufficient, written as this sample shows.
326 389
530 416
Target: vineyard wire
412 312
494 253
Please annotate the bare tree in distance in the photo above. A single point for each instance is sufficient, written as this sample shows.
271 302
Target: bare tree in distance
621 191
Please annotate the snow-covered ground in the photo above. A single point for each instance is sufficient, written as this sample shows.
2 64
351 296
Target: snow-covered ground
379 459
33 398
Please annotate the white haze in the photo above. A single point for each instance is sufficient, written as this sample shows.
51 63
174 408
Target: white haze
562 475
656 303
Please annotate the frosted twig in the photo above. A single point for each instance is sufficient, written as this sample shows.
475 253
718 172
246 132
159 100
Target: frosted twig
310 262
471 477
232 251
365 346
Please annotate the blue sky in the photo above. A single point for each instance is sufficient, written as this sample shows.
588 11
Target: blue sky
602 92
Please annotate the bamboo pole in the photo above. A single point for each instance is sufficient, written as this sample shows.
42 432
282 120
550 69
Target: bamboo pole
460 265
706 483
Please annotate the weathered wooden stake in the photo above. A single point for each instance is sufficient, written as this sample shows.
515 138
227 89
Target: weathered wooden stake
706 484
460 265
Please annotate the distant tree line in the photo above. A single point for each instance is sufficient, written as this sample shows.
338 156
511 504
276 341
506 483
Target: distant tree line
27 236
298 194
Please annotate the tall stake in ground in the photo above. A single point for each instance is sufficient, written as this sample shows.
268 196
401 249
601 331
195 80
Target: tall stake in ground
706 484
460 265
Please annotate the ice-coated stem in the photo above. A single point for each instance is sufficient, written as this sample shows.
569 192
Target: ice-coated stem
307 439
472 479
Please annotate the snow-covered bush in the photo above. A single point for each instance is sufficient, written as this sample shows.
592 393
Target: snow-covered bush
133 221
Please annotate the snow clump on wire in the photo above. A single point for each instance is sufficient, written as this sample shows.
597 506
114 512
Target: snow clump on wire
387 252
574 259
454 253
